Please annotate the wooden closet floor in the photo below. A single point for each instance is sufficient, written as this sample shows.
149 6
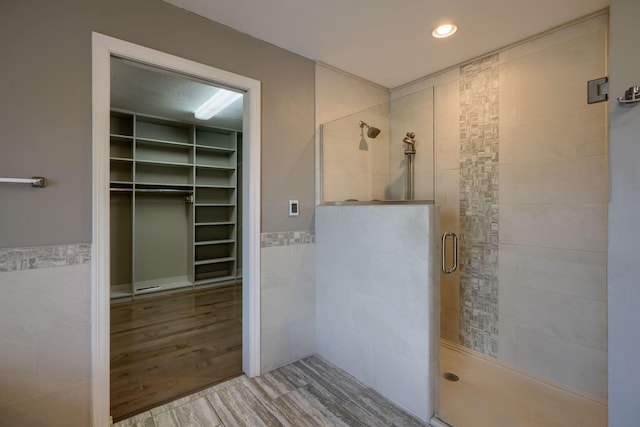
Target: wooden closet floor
168 346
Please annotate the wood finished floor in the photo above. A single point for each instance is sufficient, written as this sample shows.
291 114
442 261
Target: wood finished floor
167 346
307 393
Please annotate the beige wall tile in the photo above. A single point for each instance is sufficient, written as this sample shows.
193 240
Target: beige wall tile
508 104
575 133
450 290
568 34
580 50
581 227
576 319
448 153
507 342
338 94
450 324
448 110
555 92
578 273
576 180
581 367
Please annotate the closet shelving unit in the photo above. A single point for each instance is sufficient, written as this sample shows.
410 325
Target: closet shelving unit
156 163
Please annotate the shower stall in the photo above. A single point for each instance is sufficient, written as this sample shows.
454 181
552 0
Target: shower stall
507 163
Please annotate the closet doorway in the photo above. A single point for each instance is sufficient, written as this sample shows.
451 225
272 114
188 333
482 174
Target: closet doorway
176 228
175 234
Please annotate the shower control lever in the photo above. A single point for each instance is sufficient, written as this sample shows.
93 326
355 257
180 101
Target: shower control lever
454 238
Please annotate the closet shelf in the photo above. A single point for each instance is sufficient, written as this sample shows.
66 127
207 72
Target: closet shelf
229 187
162 185
116 137
216 149
214 261
152 141
160 163
214 242
222 168
216 279
198 224
214 205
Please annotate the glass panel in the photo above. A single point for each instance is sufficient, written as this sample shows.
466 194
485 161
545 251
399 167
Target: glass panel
521 178
365 159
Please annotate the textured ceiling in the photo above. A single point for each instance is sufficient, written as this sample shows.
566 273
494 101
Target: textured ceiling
155 92
389 41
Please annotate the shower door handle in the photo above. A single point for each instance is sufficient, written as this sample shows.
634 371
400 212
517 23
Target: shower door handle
454 238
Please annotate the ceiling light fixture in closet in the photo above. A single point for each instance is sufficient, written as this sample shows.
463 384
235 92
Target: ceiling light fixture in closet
218 102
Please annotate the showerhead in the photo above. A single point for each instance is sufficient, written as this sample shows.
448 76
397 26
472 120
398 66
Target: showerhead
372 132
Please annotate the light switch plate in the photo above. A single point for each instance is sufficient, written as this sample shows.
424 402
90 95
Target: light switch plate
294 208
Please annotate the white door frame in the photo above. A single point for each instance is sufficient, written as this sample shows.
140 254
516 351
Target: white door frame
103 47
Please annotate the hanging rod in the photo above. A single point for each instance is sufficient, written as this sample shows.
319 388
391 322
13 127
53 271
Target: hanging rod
36 181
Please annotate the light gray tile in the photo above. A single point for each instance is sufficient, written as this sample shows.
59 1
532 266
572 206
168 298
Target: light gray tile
275 350
63 357
269 386
139 419
62 408
166 419
303 408
238 406
303 337
389 414
197 413
18 369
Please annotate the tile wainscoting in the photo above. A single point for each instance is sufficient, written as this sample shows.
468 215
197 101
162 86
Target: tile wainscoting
288 297
45 362
30 258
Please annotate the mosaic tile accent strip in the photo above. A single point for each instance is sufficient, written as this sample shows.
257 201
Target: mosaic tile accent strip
16 259
287 238
479 205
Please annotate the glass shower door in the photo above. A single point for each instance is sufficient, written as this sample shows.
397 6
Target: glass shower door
521 179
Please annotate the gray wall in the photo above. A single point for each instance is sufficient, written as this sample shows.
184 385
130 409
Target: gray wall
624 212
45 110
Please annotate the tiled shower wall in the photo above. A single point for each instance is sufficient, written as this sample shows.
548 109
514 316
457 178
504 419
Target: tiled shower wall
411 113
479 155
354 166
549 312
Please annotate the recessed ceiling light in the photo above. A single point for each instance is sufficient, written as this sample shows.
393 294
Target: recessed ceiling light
444 30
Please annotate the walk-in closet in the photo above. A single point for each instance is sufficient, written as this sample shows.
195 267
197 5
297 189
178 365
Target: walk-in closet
175 228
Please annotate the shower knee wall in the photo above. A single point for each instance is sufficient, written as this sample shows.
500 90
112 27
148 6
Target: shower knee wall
376 290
